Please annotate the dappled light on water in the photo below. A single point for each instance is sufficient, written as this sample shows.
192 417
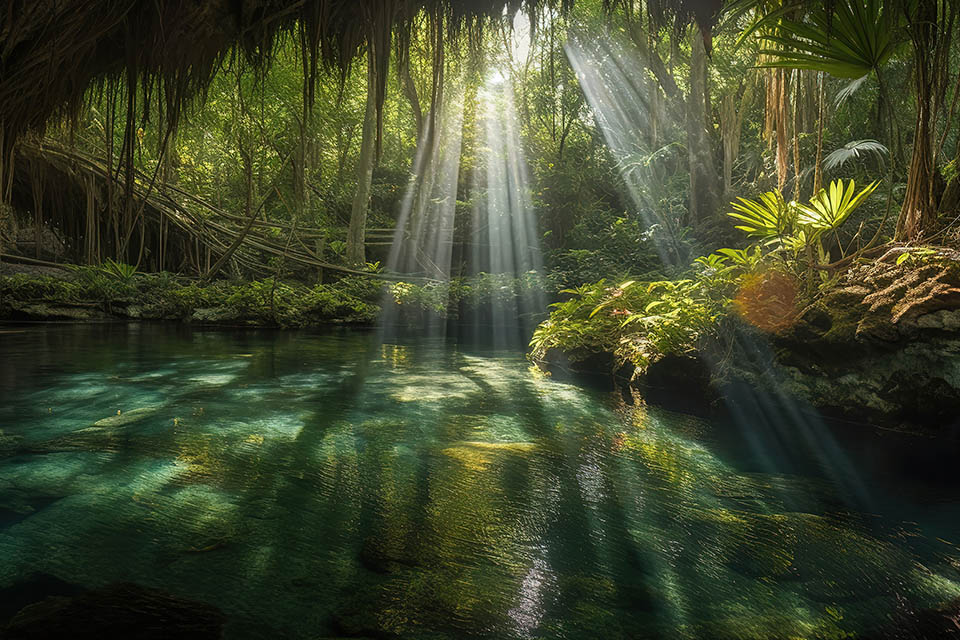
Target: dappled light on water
331 489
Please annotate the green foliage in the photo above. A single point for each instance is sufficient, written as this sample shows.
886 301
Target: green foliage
39 288
637 322
728 260
849 39
122 272
445 299
162 296
607 244
770 218
432 296
854 150
830 209
794 227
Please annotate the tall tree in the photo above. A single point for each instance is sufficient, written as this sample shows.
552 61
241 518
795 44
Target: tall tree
930 24
356 253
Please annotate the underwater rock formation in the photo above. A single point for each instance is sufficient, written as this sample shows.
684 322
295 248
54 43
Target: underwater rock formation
118 611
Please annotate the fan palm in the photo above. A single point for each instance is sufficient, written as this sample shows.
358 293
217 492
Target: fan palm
795 226
770 217
853 39
830 208
852 151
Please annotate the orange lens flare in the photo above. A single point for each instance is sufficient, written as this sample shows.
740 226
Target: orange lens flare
768 300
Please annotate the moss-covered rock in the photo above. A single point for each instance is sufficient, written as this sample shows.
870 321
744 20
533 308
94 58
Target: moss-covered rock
882 345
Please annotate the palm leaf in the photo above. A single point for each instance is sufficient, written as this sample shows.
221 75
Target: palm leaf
855 39
768 217
852 151
845 93
830 208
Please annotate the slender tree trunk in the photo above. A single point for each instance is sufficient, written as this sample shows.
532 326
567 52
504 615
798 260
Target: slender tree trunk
730 138
797 96
704 178
356 253
37 185
92 229
410 90
782 123
171 160
818 161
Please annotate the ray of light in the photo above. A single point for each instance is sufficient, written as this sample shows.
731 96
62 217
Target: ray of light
504 237
611 73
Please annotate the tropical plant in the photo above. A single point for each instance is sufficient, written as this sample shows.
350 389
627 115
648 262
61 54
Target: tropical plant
793 225
830 209
727 260
854 150
848 39
119 270
769 218
637 322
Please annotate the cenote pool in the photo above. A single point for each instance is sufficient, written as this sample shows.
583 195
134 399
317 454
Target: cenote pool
317 485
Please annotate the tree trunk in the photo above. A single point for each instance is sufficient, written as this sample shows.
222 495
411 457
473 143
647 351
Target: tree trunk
168 176
410 90
918 215
356 253
92 227
730 138
704 187
818 161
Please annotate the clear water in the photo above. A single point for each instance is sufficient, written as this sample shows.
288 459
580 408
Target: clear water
314 485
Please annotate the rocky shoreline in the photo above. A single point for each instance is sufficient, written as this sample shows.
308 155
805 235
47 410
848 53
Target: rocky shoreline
882 346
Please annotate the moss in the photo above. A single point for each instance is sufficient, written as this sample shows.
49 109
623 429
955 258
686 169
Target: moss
90 293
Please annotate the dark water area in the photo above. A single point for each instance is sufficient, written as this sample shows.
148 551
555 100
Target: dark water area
330 484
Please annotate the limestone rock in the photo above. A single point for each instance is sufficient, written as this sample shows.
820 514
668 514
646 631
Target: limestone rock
884 345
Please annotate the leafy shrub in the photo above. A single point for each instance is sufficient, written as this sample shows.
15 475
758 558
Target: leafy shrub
636 322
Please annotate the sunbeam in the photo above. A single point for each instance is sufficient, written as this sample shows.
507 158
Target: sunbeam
504 236
614 81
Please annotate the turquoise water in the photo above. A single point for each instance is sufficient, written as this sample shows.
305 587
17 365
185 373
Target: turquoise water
318 485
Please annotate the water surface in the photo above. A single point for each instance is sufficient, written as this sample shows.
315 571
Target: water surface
325 484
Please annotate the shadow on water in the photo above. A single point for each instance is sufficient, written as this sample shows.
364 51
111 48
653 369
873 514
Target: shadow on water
340 484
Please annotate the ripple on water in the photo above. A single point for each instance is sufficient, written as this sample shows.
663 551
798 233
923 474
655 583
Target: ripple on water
438 496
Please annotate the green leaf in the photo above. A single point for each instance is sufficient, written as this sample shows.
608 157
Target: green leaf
828 210
853 39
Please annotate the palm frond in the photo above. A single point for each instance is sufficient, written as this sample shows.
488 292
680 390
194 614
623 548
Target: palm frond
830 208
768 217
854 39
854 150
852 87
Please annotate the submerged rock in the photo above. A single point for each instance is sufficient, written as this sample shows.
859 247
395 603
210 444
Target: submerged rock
119 611
128 417
33 588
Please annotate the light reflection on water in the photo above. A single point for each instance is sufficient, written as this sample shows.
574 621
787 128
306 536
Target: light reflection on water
321 484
